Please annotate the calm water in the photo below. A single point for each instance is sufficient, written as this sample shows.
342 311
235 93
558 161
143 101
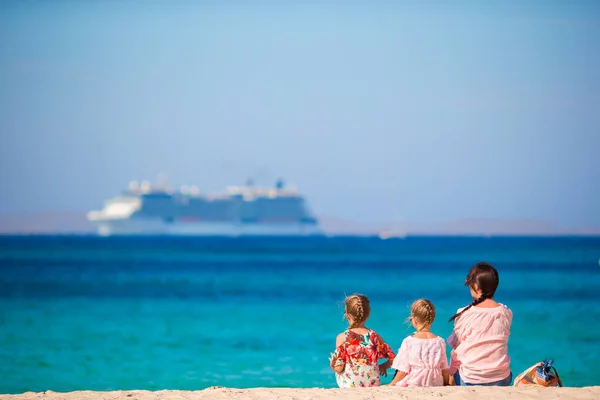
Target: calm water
152 313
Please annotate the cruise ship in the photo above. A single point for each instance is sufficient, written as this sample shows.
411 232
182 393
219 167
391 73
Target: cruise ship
145 209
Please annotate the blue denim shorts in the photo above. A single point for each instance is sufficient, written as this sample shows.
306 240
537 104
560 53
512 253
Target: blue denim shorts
504 382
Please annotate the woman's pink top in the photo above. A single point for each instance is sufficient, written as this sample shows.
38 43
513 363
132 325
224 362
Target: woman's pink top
423 360
480 343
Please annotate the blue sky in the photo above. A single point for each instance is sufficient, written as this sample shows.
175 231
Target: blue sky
424 111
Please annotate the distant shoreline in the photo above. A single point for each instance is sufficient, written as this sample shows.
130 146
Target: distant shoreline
332 236
73 223
326 236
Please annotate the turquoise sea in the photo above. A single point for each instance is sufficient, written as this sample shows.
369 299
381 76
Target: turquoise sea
153 313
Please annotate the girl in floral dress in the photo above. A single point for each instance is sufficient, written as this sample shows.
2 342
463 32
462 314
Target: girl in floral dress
359 349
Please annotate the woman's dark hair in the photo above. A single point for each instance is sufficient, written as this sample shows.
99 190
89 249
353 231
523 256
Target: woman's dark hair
486 278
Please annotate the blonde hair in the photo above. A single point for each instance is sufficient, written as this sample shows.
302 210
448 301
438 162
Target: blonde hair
358 307
423 311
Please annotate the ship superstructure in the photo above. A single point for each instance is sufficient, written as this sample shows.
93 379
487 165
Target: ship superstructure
246 210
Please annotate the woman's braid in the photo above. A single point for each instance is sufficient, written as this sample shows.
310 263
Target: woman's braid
474 303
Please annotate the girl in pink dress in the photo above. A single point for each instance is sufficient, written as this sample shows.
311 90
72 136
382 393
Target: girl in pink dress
421 360
480 337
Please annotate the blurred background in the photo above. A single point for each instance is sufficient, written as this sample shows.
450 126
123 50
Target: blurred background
377 111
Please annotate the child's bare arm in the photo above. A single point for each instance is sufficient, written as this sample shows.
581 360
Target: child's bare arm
399 376
383 367
338 368
446 377
385 351
339 340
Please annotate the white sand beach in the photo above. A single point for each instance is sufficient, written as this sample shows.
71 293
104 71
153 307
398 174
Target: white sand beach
385 392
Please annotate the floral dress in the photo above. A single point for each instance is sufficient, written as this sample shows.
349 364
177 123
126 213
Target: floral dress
361 354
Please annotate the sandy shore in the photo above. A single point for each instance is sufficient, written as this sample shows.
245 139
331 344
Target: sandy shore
451 393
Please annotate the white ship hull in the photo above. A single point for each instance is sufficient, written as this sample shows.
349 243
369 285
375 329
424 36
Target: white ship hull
158 227
239 211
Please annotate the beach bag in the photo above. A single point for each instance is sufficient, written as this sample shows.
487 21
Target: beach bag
540 374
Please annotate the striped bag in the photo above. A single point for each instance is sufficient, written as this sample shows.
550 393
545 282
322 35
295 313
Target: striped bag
540 374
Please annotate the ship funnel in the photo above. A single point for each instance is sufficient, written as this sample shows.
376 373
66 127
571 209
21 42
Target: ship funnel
161 180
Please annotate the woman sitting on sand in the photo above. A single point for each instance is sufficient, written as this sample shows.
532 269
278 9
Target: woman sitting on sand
481 331
359 349
421 360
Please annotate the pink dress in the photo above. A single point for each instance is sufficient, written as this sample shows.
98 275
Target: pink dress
423 360
480 343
